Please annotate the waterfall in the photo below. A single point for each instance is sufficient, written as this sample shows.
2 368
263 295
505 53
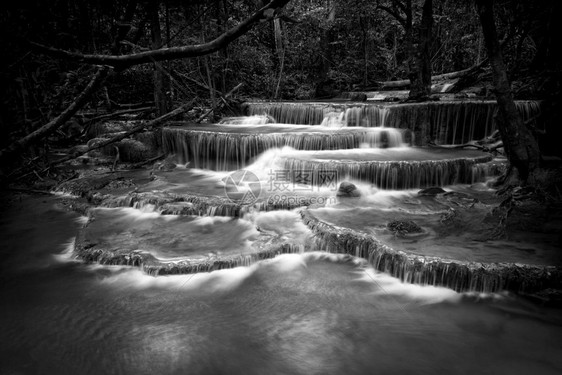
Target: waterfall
390 175
482 171
154 267
209 265
333 120
447 122
224 151
291 113
366 115
456 275
314 113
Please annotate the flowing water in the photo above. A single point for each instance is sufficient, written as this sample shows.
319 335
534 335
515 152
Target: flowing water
449 122
287 306
312 313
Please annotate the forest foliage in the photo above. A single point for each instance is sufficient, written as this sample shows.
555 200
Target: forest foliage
313 48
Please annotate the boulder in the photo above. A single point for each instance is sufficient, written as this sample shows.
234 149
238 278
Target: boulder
348 190
403 227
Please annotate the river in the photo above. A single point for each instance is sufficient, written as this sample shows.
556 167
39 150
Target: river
311 313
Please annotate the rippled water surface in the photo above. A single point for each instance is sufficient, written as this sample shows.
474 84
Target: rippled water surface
309 313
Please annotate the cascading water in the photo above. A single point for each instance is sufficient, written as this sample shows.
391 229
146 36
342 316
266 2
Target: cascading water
369 115
452 122
333 120
266 292
299 152
229 148
306 313
248 120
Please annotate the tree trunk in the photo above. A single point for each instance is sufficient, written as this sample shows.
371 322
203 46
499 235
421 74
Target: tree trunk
160 77
280 50
521 147
420 67
124 26
324 87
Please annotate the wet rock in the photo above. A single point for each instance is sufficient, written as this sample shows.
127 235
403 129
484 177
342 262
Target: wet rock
120 184
432 191
131 150
348 190
178 208
72 128
167 164
460 199
403 227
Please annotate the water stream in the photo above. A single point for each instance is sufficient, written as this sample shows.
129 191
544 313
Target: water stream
312 313
269 286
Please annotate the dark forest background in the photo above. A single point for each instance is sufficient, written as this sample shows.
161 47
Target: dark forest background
310 49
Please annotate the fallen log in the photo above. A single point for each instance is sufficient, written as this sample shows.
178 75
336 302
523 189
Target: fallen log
148 125
472 144
405 83
107 116
489 143
132 105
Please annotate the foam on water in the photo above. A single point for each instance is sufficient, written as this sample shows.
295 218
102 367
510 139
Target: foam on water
334 120
67 255
216 281
142 213
286 224
210 220
391 286
229 279
248 120
268 161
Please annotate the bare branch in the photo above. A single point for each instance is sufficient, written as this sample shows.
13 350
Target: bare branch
394 14
172 53
60 120
148 125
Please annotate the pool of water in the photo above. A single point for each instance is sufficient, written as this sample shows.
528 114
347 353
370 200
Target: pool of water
169 237
456 224
308 313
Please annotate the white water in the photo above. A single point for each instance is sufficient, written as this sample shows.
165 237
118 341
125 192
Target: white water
334 120
124 278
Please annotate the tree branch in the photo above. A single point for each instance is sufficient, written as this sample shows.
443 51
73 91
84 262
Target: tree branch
151 124
121 62
394 14
60 120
